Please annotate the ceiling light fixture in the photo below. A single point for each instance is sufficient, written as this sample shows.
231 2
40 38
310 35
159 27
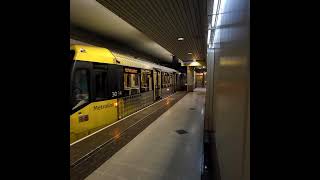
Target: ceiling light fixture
180 39
189 53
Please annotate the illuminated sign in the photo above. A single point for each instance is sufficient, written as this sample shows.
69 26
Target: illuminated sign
128 70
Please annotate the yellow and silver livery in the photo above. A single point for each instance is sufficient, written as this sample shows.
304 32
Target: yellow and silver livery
107 86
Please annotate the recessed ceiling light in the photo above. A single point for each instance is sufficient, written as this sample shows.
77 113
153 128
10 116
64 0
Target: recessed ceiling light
189 53
180 39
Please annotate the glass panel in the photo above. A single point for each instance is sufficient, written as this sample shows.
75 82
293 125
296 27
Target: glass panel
150 82
101 85
80 88
125 80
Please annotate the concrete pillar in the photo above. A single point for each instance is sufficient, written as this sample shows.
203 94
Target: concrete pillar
227 123
208 120
190 79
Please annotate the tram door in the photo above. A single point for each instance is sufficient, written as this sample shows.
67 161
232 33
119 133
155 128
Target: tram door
157 84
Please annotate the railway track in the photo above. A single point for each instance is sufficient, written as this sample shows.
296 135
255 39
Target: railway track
90 153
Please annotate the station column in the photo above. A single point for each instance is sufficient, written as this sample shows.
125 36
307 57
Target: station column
190 78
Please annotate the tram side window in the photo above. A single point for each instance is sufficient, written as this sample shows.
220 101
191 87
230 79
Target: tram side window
165 80
135 80
101 85
146 81
80 88
131 84
126 81
131 81
115 81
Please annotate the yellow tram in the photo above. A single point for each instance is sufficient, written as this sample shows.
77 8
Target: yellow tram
107 86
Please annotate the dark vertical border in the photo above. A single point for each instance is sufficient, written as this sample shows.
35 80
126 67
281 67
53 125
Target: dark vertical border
35 39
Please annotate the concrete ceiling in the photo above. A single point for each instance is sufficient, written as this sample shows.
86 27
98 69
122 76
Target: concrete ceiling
91 15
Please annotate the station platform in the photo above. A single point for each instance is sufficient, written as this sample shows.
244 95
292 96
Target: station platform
163 141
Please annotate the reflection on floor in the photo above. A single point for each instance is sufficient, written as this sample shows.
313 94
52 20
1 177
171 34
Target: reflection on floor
170 148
